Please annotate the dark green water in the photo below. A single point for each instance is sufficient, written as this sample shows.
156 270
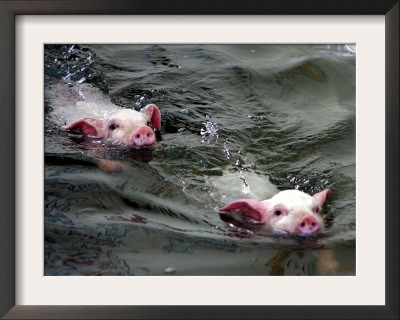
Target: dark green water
286 111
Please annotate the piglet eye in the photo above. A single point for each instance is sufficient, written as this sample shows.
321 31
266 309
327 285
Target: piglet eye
278 212
113 126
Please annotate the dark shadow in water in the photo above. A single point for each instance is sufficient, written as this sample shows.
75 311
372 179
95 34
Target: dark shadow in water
324 264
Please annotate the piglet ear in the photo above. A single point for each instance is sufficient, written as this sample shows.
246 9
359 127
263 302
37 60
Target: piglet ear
322 196
88 126
251 210
154 114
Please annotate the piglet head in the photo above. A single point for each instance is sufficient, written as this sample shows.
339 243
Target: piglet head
126 125
289 211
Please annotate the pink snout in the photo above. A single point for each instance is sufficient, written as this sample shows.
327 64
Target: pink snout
308 225
144 136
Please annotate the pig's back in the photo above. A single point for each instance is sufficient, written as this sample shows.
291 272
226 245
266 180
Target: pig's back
71 102
242 184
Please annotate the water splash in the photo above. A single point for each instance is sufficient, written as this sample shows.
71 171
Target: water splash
210 132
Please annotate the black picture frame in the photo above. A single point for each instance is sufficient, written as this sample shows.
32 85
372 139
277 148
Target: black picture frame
8 11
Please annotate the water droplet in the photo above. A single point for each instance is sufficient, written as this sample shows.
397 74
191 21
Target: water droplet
169 270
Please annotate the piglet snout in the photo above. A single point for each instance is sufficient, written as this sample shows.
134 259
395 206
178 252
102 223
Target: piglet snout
308 225
144 136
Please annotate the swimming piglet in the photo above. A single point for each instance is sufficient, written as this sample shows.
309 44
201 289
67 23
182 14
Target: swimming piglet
289 211
85 108
126 125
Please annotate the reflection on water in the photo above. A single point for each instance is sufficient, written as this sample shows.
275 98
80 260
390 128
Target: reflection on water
278 113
